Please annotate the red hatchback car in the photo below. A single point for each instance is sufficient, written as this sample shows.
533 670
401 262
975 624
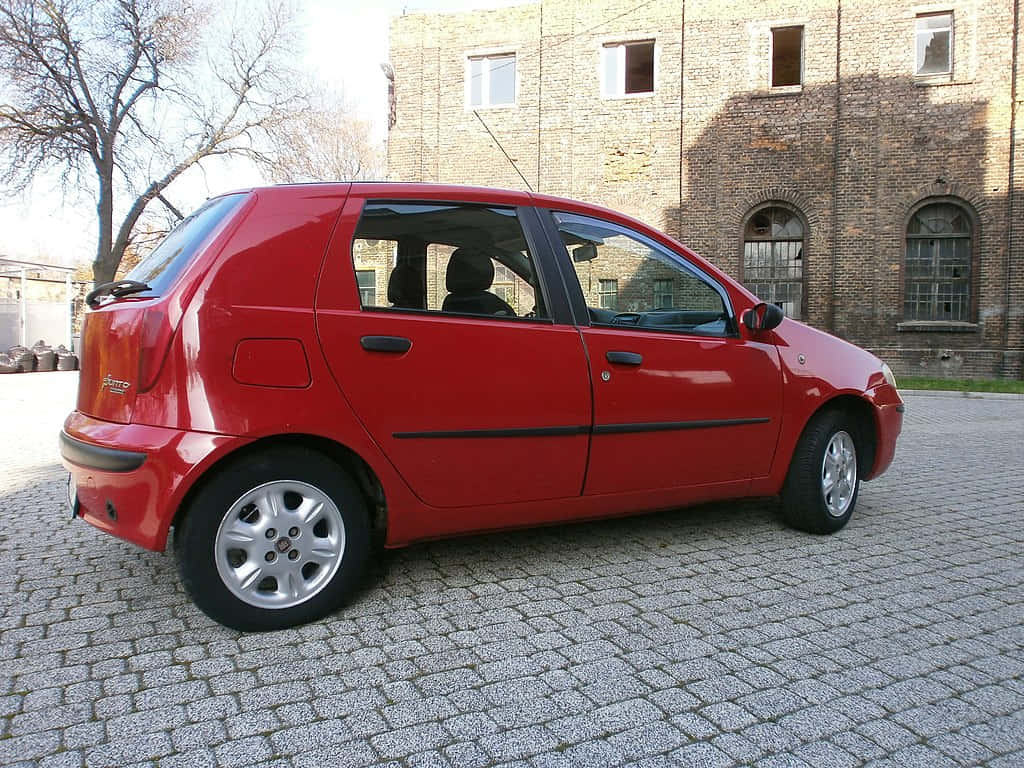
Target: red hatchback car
298 372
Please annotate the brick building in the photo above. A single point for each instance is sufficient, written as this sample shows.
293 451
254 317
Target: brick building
856 161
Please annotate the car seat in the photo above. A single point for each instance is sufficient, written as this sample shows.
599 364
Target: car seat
405 287
470 273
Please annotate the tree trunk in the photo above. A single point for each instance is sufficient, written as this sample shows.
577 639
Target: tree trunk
105 265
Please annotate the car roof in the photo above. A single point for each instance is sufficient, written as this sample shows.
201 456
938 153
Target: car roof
454 192
432 190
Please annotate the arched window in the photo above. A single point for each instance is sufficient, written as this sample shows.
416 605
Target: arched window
937 277
773 252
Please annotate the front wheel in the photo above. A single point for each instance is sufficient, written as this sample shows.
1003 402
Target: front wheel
821 488
273 540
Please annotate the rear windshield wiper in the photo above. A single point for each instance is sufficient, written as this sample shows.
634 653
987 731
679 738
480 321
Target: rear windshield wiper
117 289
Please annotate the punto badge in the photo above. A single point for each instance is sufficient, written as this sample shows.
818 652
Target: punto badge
114 386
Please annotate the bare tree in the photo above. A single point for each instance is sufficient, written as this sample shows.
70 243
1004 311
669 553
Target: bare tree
132 93
326 141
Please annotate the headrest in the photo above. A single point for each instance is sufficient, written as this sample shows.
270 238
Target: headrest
405 285
469 271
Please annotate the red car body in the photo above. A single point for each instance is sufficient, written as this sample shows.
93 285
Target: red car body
259 341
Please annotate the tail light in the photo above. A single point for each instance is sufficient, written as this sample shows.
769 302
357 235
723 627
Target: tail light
154 341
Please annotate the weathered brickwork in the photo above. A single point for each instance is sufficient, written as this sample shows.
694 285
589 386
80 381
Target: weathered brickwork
856 149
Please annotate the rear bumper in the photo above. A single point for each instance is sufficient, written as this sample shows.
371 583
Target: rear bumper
97 457
131 478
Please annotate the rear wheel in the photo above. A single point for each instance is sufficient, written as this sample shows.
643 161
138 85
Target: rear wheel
273 540
821 488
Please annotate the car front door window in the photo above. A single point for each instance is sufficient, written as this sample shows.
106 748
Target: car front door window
628 279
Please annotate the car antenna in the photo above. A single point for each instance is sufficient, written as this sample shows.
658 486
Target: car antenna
503 150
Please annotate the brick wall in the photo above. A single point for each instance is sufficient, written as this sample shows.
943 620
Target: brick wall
855 149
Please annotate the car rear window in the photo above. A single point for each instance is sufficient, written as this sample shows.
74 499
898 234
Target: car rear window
162 266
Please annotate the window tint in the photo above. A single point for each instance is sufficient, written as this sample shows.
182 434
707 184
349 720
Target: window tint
162 266
787 56
459 259
630 280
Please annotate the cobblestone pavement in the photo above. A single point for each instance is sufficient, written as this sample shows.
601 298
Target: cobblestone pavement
710 636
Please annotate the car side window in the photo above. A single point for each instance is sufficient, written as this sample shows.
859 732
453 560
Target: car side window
629 280
445 257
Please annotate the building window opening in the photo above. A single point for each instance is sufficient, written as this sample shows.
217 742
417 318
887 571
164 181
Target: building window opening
773 250
504 285
933 38
663 294
937 280
627 68
492 80
366 279
608 291
787 56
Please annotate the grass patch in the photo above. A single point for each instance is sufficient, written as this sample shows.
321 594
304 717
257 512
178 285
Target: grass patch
961 385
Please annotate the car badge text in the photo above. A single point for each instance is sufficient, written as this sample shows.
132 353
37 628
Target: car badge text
115 386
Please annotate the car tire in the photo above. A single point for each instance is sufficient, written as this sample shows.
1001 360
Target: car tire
820 492
273 540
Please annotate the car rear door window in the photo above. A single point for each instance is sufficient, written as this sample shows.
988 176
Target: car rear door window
450 258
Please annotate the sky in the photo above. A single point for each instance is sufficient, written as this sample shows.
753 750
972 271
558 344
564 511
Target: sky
343 42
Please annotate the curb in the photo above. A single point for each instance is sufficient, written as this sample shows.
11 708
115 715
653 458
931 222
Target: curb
968 395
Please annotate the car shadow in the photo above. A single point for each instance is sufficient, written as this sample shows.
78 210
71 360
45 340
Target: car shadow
536 550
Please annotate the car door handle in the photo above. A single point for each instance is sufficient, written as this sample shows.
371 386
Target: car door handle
624 358
394 344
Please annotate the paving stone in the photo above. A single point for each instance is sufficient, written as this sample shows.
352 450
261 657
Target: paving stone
303 738
824 754
49 719
120 752
32 746
406 741
468 755
888 735
771 737
192 758
240 752
593 753
962 749
354 754
701 754
626 714
739 748
196 736
648 739
519 743
72 759
921 756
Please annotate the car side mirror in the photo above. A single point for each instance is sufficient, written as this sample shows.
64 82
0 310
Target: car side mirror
763 317
585 252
